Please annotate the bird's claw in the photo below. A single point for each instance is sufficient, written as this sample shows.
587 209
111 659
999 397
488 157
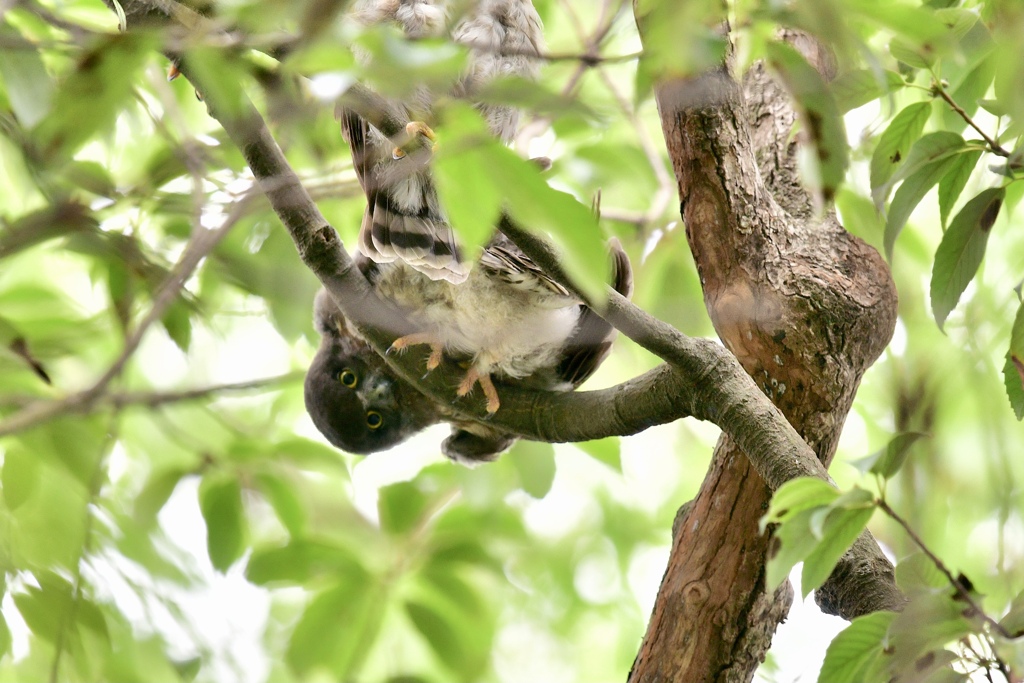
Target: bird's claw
436 347
412 130
474 377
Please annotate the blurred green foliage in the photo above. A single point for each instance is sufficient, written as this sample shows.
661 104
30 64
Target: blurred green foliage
128 517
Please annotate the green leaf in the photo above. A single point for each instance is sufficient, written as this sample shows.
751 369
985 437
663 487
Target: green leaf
819 115
90 176
5 637
313 57
54 221
438 632
842 527
535 463
535 97
888 461
178 324
917 572
573 226
910 193
29 87
606 450
895 143
816 524
20 476
224 75
927 150
936 667
678 41
400 507
220 501
1013 370
75 444
958 21
398 66
1013 620
287 504
859 215
302 561
792 543
337 630
893 456
471 198
797 495
906 52
961 250
154 495
448 588
928 623
916 24
856 88
163 165
104 78
47 608
455 551
857 650
953 183
472 162
994 107
969 92
307 454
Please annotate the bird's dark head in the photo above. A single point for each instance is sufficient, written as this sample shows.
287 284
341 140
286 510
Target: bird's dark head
353 397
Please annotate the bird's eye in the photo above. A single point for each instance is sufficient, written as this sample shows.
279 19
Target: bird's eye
374 419
348 378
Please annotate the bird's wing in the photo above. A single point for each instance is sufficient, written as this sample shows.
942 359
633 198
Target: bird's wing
355 130
591 342
503 259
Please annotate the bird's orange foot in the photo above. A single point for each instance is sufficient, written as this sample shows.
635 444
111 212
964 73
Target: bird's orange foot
473 377
436 347
414 129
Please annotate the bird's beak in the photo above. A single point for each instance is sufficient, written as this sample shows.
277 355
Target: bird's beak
376 390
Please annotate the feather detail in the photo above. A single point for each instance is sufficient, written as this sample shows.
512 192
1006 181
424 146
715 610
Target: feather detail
519 271
592 339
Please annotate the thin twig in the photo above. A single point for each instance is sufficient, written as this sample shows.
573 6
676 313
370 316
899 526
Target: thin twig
154 399
203 241
666 184
994 146
79 33
960 589
591 49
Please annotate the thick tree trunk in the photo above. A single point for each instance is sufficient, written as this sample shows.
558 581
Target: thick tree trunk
806 308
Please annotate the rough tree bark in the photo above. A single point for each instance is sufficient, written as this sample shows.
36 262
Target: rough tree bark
806 308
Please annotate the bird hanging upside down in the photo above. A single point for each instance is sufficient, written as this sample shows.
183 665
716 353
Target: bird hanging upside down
503 316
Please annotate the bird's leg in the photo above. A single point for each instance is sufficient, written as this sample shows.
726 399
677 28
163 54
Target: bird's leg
436 347
474 376
412 129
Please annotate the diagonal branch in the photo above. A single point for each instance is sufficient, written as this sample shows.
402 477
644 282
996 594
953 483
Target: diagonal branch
701 378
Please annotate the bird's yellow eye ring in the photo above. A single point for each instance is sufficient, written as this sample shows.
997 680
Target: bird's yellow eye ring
374 419
348 378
